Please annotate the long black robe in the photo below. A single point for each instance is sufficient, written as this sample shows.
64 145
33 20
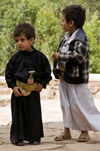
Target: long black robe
26 110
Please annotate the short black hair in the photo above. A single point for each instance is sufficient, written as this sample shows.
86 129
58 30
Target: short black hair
76 13
26 29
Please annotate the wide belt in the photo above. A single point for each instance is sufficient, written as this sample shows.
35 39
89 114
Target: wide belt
26 87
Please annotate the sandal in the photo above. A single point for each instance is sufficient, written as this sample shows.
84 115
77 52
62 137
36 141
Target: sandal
63 136
84 138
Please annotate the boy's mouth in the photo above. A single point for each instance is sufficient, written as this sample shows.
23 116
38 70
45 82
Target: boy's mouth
20 47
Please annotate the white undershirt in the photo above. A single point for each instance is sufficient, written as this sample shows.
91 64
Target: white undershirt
65 47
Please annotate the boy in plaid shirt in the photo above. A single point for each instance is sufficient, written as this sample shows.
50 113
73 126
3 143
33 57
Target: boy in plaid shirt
71 66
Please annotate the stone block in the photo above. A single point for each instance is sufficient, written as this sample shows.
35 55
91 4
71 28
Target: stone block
5 100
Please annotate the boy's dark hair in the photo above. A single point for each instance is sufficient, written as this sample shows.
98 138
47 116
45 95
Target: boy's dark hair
75 13
26 29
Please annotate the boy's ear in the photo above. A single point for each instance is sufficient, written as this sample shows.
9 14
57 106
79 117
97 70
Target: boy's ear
71 23
32 40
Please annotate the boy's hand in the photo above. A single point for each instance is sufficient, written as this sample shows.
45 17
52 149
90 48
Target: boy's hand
16 91
56 56
39 87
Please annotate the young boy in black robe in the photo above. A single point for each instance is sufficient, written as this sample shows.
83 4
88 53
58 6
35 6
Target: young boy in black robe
26 86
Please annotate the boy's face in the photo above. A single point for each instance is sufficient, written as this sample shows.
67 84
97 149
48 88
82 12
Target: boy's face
24 44
66 26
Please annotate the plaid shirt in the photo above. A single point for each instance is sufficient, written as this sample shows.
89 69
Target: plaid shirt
76 58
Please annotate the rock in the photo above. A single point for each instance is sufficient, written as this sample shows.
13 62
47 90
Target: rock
94 90
54 82
52 90
97 95
2 80
94 77
4 90
47 94
5 100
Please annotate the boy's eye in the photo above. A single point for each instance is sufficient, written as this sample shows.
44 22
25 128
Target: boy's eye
16 41
22 39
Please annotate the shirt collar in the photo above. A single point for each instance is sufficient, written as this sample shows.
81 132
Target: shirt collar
79 34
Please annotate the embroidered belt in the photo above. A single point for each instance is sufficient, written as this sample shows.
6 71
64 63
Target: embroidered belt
26 87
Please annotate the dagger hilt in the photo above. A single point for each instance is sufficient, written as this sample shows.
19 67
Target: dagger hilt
31 79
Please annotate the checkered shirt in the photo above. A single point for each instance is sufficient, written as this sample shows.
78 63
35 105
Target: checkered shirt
76 58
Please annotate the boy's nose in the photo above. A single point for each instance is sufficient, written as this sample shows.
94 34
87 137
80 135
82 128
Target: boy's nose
61 23
19 42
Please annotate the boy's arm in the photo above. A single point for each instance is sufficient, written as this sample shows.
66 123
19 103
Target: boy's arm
46 77
77 55
9 74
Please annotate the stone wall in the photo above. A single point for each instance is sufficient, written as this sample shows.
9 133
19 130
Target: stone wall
51 92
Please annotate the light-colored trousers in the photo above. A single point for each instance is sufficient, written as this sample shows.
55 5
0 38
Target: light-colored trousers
78 108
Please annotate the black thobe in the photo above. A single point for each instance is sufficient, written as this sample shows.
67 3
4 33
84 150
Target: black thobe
26 110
